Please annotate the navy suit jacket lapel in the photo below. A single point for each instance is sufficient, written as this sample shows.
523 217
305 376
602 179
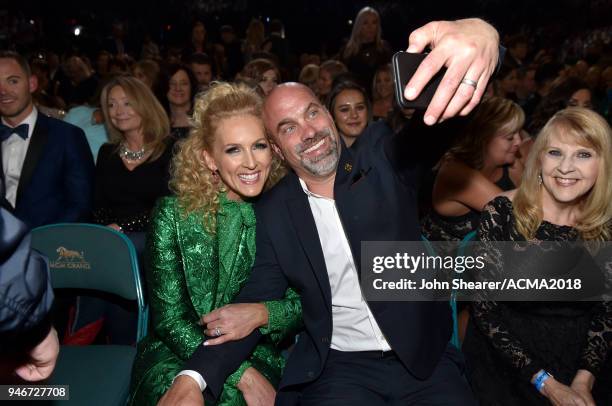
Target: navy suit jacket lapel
349 198
303 221
35 149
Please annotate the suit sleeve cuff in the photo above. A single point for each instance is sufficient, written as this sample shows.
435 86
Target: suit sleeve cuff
195 376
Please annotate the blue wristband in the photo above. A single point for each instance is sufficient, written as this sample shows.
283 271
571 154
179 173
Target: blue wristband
540 378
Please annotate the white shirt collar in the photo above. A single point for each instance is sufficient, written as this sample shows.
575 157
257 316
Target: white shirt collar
309 193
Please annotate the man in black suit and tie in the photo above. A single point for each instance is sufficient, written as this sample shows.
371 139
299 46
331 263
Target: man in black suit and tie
309 233
46 166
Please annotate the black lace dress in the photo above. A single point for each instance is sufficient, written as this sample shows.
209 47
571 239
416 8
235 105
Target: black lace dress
506 343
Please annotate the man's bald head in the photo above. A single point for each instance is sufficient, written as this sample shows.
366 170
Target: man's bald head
278 96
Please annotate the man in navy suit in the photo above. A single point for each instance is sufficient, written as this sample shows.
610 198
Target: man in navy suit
46 166
309 233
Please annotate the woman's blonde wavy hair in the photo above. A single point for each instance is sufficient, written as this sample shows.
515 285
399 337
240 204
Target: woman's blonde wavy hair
589 129
192 181
155 122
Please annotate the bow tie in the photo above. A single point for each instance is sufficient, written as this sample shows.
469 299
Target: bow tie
6 131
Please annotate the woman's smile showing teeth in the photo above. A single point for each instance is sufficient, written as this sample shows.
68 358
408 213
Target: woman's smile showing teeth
566 181
249 178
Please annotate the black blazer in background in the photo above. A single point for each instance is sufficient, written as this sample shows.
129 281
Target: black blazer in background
376 201
56 183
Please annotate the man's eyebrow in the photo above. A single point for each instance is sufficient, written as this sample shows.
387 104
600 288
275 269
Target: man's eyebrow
283 122
311 105
286 121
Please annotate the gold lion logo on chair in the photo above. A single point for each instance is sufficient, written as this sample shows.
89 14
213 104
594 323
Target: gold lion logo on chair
69 255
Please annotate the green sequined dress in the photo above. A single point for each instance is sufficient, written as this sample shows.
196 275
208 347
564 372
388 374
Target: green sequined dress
192 272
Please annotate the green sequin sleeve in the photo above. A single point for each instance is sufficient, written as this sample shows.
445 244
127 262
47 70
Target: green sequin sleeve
234 378
284 316
174 319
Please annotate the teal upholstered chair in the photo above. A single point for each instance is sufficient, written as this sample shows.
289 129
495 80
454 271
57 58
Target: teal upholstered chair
93 257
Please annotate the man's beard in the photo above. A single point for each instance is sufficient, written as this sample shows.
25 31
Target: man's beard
12 112
324 164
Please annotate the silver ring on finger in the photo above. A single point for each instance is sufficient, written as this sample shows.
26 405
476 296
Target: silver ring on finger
218 332
469 82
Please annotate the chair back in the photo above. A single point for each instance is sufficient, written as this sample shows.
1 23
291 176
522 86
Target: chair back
90 256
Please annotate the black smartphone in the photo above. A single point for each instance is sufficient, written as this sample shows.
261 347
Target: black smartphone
404 66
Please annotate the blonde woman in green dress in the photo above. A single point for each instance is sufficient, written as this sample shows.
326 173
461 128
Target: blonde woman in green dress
201 247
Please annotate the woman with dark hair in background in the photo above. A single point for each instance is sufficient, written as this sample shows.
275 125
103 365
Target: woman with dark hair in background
179 89
349 106
478 167
365 49
264 72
